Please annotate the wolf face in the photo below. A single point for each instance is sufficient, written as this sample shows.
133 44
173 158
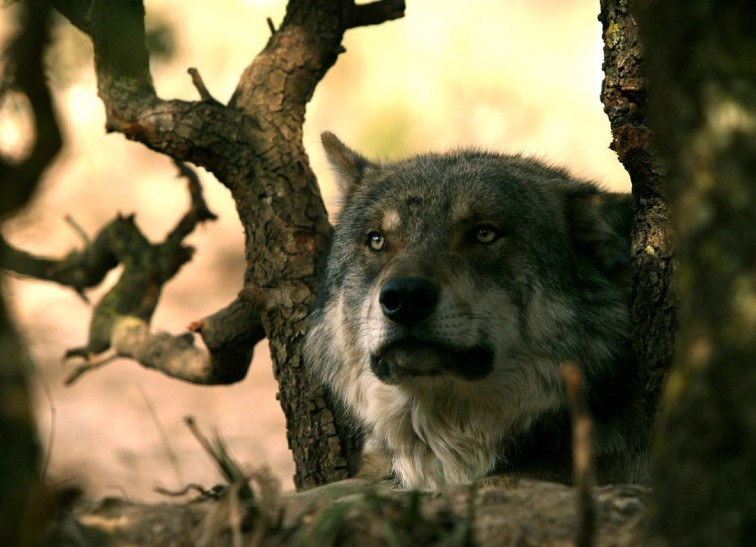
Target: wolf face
455 285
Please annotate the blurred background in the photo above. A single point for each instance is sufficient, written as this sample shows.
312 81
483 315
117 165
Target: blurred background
514 76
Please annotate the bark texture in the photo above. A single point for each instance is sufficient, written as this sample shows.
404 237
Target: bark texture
703 110
625 97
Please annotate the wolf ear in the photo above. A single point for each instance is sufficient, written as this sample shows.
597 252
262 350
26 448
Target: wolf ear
600 229
348 166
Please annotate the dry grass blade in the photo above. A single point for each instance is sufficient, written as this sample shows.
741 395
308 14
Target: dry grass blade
252 501
582 453
229 469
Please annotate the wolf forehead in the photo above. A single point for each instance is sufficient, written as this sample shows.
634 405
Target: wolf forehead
435 191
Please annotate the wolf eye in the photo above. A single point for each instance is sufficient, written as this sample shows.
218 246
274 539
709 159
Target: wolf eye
376 241
486 234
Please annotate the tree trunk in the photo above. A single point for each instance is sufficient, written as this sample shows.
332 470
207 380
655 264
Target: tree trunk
654 300
20 461
24 507
703 109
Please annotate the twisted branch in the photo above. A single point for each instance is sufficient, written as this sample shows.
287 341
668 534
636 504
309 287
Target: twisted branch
120 321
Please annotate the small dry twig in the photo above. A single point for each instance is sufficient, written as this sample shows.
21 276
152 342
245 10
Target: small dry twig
200 85
216 492
170 453
90 363
51 436
582 453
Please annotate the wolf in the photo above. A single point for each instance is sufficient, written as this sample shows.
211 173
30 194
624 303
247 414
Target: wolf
455 285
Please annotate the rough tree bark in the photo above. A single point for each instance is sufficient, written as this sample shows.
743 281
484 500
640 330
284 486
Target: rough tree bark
254 146
703 109
625 97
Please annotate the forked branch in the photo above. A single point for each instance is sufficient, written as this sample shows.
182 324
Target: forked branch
120 321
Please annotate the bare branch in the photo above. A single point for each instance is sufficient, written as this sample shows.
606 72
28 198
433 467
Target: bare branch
198 211
120 320
200 85
200 132
230 336
376 13
90 363
78 270
78 229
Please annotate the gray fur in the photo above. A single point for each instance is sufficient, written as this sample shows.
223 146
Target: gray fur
474 388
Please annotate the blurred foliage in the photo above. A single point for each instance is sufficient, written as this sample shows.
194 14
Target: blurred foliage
70 54
160 38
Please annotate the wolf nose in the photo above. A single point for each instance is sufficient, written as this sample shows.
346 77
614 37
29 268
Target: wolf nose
408 299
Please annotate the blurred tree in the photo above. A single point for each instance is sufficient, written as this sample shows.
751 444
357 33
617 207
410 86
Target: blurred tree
23 504
699 100
703 110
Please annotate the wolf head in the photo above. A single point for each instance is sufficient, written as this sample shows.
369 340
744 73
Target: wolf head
455 285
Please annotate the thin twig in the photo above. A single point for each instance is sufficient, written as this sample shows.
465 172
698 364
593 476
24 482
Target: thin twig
163 436
89 366
78 229
200 85
375 13
192 425
213 493
229 469
51 436
271 26
198 210
235 515
582 453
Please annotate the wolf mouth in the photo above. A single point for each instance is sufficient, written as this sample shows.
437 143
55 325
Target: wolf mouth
412 357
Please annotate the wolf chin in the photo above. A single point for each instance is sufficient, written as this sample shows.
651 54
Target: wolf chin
455 286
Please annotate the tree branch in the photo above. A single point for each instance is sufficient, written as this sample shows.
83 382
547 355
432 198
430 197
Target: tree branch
24 73
78 270
198 210
120 321
117 31
229 334
198 132
376 13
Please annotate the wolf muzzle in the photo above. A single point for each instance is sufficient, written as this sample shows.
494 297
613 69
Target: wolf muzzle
407 302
